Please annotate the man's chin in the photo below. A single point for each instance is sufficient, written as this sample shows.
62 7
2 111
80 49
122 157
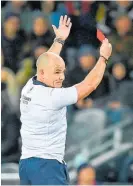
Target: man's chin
58 85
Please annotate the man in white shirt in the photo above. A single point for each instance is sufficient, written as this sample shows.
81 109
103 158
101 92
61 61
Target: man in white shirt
43 112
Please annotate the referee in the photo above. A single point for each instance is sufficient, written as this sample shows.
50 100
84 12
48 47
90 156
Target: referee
43 112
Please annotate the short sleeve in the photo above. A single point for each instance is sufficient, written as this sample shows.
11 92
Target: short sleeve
62 97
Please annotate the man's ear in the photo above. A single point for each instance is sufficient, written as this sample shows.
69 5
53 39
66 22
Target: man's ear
42 72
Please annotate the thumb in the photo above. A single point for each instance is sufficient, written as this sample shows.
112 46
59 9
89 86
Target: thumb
54 28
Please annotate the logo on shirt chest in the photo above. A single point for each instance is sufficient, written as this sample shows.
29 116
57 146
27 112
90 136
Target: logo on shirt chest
26 99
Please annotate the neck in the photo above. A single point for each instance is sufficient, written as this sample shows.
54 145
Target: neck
39 79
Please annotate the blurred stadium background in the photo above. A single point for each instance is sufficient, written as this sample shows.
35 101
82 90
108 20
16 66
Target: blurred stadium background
99 146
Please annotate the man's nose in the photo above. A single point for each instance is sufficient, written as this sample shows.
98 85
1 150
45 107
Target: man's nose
62 77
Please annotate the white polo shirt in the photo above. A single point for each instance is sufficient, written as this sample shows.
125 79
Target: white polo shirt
43 117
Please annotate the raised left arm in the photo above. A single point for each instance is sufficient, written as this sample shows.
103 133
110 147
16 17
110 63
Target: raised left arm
61 33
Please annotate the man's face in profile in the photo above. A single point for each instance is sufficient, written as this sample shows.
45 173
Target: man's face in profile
55 74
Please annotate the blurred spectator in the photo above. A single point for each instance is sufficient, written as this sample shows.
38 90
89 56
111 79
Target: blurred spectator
86 175
122 39
38 48
120 72
81 7
83 31
25 72
41 31
84 24
52 6
118 104
21 8
87 56
47 6
12 41
119 80
53 10
117 7
9 79
28 64
10 126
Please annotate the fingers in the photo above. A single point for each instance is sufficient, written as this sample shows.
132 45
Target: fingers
54 28
106 48
65 21
61 20
109 45
105 40
68 21
70 25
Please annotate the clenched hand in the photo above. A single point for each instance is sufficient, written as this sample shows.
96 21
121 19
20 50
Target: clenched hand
106 49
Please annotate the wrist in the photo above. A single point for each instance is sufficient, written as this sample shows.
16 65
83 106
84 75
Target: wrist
105 59
59 40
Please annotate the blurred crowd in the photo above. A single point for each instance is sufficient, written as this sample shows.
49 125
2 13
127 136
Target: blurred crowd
27 33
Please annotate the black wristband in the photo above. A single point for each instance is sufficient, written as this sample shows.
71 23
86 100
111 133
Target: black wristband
59 40
105 59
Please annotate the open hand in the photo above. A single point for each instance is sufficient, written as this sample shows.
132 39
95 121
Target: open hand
64 28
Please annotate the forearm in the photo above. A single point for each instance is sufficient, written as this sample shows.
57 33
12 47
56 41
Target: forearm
92 80
56 48
96 74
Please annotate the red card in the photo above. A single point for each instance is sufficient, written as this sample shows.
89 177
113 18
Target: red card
100 35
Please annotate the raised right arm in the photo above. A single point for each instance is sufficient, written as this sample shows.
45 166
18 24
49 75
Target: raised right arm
93 79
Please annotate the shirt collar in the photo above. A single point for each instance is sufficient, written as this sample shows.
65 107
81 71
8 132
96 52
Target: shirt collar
36 82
